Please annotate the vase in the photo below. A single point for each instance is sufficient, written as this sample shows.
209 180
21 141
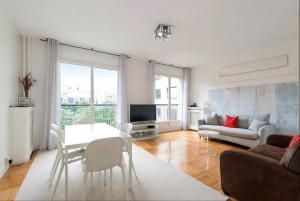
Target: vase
26 93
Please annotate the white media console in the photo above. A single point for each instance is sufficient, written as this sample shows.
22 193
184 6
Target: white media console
144 130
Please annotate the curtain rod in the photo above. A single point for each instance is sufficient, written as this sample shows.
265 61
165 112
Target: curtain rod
84 48
169 65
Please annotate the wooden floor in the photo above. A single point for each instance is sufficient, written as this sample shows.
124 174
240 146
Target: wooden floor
182 149
187 152
13 178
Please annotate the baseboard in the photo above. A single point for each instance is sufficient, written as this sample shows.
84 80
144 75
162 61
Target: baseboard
3 170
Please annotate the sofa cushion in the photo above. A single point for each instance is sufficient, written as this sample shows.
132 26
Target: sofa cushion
269 151
220 119
234 132
231 122
291 158
243 122
212 120
256 124
294 140
260 117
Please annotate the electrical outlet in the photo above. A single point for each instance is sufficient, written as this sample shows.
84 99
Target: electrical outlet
7 161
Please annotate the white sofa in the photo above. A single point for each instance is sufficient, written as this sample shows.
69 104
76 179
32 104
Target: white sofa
241 135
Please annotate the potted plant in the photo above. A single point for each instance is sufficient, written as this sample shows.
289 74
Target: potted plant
27 82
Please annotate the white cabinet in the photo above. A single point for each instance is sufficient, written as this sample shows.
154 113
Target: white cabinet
20 134
144 130
195 114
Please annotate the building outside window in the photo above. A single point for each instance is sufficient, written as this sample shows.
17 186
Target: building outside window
87 92
169 101
158 93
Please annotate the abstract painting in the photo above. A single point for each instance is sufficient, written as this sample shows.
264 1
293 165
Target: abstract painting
281 100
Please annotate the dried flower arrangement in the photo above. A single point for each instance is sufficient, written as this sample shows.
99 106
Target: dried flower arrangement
27 82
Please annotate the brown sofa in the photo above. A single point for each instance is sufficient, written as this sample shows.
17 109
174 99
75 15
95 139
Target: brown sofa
265 172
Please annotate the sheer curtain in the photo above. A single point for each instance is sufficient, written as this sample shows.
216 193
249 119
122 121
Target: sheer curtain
122 92
151 81
185 98
52 94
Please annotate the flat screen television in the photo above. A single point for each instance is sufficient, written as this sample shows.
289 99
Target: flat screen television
139 112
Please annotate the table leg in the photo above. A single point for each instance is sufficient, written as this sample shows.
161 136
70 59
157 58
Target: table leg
210 153
130 164
66 175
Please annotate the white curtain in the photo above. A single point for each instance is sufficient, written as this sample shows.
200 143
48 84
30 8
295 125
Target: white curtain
52 94
151 81
185 100
122 92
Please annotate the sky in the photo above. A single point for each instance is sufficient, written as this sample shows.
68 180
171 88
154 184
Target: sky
79 77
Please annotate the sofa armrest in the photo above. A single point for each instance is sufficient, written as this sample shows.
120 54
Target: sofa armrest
282 141
265 131
249 176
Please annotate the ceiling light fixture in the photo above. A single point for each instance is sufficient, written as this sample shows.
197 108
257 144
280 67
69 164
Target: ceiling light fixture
163 31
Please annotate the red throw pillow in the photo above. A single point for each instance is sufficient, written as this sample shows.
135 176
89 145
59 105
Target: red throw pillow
294 140
231 121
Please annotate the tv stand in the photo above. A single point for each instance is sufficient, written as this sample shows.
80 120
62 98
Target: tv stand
144 130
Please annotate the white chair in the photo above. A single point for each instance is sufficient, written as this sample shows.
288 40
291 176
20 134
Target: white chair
86 121
73 156
57 134
127 127
104 154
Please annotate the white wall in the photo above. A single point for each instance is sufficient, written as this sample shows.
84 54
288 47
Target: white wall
9 87
206 77
136 81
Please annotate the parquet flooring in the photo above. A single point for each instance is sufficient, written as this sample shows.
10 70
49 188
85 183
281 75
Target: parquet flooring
13 178
187 152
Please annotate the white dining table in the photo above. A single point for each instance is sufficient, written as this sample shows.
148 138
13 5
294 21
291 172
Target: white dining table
80 135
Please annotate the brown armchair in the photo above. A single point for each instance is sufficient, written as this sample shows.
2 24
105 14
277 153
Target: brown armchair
266 172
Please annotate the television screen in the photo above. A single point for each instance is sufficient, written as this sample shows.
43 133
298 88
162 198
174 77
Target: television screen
142 113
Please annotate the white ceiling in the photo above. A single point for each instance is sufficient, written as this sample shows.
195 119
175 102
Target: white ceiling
203 29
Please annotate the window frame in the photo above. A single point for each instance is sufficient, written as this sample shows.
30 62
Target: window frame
92 67
169 95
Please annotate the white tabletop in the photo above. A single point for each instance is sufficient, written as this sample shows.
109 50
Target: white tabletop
82 134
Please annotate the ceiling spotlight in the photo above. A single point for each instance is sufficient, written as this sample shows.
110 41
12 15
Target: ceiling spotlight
163 31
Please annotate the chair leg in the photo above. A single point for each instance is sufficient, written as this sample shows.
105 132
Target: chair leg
111 172
91 179
53 166
124 181
104 177
85 184
54 171
134 170
123 161
57 180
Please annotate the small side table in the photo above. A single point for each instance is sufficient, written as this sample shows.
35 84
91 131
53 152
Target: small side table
206 134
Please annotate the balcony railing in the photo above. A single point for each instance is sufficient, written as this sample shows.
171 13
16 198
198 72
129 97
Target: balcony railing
162 112
101 113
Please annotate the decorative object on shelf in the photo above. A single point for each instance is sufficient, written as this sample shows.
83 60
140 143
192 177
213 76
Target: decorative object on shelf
163 31
27 82
193 105
24 101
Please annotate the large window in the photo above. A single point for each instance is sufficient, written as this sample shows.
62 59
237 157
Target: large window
169 99
87 92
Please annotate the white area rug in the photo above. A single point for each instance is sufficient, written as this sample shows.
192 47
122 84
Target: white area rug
156 181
